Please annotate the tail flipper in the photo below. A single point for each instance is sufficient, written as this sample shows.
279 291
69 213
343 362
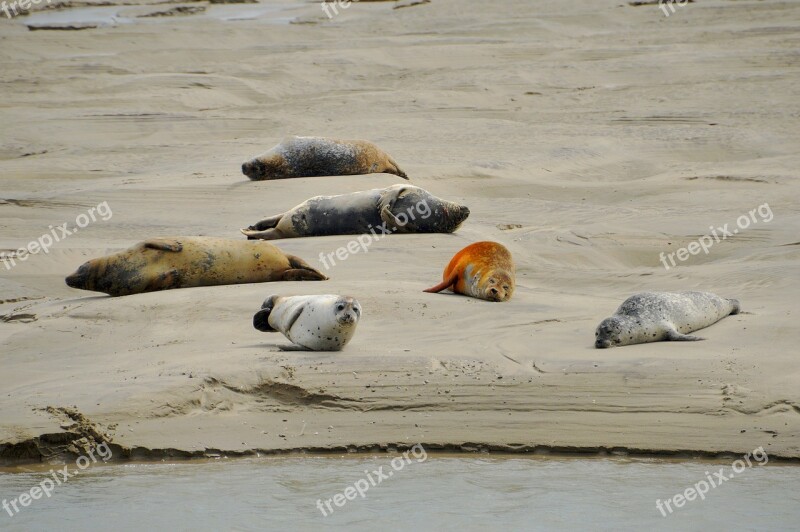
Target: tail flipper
302 271
447 283
261 319
396 169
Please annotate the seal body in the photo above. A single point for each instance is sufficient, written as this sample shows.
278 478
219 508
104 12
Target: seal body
657 316
317 156
395 209
484 270
184 262
318 323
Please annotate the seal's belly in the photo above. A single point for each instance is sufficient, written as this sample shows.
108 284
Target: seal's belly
210 267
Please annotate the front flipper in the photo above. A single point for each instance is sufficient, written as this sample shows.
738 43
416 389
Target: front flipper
447 283
675 336
268 234
266 223
298 274
166 281
391 221
164 244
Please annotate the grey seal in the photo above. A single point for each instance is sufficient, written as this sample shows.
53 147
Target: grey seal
318 156
185 262
657 316
398 208
317 322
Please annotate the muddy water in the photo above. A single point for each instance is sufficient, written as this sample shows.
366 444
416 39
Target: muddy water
437 493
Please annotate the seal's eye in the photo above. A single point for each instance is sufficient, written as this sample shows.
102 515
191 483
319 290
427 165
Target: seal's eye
492 281
340 307
505 287
357 310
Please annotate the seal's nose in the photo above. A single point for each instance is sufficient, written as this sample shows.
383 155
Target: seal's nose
246 168
79 278
602 344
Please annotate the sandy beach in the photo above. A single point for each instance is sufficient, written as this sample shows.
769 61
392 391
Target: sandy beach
589 137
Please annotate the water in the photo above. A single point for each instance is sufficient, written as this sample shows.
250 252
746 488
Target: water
441 493
115 15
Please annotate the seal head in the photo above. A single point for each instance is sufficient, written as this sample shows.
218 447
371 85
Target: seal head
347 311
609 332
410 209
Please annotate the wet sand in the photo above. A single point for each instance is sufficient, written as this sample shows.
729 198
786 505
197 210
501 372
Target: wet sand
588 138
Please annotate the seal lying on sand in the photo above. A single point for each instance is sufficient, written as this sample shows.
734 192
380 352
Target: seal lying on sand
656 316
484 270
315 156
185 262
319 323
399 208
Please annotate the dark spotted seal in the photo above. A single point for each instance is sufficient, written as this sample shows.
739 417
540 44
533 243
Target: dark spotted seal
396 209
317 156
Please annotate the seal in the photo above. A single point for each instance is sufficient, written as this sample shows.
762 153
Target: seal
318 323
316 156
395 209
657 316
185 262
484 270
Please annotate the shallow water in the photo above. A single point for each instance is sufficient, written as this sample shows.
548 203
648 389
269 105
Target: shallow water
114 15
439 493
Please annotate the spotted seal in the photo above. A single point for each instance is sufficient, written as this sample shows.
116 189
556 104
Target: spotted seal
399 208
318 156
657 316
318 322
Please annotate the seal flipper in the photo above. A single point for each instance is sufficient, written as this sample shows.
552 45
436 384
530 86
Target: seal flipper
298 274
395 169
391 220
163 244
447 283
301 271
675 336
261 318
266 223
268 234
165 281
